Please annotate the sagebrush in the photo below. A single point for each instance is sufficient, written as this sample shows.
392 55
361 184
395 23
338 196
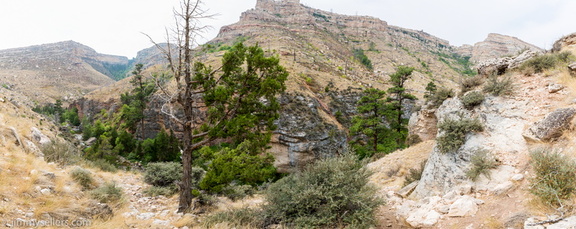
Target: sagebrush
472 99
83 177
480 164
454 131
499 86
331 193
438 97
109 192
555 176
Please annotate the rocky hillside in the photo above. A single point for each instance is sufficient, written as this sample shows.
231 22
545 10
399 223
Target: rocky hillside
65 70
537 115
318 49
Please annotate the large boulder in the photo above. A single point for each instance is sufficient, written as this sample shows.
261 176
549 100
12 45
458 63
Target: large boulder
552 126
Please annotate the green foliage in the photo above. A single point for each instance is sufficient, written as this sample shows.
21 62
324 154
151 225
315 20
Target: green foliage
162 174
463 64
240 166
379 126
164 147
58 113
544 62
236 110
481 163
453 133
83 177
431 89
331 193
71 116
371 123
472 99
555 180
61 152
498 87
469 83
415 174
364 60
320 16
437 98
107 193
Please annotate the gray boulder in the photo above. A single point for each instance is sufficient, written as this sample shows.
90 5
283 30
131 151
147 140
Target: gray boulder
552 126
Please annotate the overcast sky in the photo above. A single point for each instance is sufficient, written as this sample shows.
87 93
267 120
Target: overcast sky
116 26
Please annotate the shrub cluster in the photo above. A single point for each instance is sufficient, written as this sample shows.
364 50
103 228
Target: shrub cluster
469 83
472 99
83 177
454 133
437 98
541 63
332 193
481 163
498 87
107 193
164 175
236 167
61 152
555 179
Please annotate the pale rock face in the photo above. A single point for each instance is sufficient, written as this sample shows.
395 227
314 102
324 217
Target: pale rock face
497 45
423 218
463 206
503 124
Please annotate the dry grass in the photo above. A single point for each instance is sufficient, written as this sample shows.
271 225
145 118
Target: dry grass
403 159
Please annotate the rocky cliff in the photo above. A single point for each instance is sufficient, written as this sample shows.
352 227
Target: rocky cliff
496 46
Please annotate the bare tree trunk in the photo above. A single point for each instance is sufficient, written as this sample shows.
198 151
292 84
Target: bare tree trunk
185 199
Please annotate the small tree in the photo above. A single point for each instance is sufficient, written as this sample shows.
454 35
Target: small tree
397 94
240 102
430 90
371 123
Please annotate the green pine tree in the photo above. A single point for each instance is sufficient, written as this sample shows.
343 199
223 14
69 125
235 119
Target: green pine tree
369 129
397 95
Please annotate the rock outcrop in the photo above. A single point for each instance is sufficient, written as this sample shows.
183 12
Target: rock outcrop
503 124
496 46
305 133
552 126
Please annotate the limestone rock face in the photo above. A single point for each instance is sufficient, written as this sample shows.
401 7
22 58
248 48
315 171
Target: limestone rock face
503 124
497 45
551 126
